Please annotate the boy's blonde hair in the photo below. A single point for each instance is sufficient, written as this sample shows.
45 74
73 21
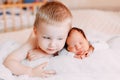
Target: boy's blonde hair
53 12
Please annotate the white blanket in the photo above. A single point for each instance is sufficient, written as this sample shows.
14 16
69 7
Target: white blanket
103 64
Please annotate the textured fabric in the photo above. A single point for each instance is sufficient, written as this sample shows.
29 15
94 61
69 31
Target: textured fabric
102 21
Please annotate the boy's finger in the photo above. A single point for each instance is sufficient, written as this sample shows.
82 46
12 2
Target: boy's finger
52 72
33 58
48 73
43 65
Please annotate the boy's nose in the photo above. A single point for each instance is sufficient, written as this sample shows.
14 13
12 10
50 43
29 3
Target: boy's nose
52 43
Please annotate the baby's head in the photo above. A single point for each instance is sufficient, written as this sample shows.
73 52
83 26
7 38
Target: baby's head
77 41
52 24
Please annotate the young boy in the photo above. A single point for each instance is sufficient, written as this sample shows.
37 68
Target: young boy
78 43
52 24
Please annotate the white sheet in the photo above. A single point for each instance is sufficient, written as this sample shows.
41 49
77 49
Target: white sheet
103 64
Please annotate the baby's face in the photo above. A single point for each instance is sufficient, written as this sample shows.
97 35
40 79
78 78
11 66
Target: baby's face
76 42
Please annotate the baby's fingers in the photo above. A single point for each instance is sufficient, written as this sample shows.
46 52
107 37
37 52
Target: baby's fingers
78 56
81 56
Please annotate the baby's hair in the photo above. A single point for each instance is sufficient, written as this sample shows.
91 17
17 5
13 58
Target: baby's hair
52 12
79 30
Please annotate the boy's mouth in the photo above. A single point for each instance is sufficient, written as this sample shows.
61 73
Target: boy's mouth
49 49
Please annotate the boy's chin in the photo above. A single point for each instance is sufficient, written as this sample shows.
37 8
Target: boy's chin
51 52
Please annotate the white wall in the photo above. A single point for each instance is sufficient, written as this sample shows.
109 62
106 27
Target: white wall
109 4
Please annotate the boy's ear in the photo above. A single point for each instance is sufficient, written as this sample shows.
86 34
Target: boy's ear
35 30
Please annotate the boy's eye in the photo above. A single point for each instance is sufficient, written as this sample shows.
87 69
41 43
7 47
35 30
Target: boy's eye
60 38
80 43
45 37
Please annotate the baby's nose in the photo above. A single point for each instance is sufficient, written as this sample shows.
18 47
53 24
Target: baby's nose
78 46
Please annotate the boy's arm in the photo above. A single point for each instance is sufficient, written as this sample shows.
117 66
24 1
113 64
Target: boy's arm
13 60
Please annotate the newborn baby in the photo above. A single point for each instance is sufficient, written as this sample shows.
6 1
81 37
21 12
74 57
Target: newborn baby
77 43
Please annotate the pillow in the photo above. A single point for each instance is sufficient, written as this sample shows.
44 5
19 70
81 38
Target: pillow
93 35
107 22
114 42
99 45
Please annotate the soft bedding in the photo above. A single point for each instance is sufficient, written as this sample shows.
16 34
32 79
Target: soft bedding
103 64
18 36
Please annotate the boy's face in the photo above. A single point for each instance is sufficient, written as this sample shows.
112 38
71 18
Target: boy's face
76 42
51 38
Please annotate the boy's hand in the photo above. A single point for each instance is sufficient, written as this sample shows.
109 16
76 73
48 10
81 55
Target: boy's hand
40 72
34 54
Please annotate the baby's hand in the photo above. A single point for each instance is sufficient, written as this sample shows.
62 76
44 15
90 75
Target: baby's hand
40 72
82 54
34 54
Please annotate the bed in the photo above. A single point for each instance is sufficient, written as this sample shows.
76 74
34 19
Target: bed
102 29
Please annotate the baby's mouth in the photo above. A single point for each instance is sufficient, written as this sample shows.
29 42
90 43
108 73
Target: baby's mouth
79 52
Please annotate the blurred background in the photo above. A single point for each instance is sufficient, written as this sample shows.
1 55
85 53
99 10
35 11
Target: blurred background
15 17
18 1
99 4
74 4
